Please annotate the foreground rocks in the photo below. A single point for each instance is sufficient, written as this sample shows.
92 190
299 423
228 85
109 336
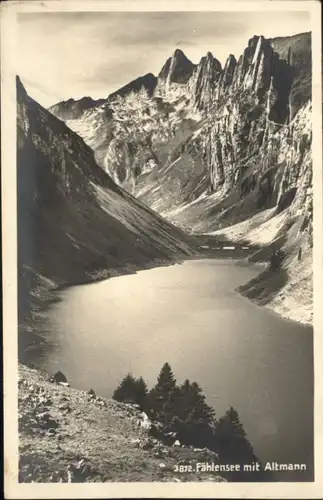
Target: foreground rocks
67 435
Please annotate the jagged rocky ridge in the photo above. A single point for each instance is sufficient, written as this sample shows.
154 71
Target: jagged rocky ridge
220 149
74 223
74 108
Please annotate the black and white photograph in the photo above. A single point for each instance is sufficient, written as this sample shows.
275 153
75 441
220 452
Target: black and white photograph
164 205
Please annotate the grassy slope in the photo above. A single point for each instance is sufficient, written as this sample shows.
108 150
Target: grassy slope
103 433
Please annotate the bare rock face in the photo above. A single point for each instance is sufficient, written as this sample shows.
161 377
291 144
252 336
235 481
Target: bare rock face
213 146
203 82
177 69
294 52
253 70
226 76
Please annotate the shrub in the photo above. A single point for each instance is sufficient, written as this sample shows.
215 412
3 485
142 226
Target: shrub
276 260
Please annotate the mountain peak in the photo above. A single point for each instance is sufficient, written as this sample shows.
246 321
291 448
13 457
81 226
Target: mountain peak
177 69
231 57
19 84
179 53
254 40
147 81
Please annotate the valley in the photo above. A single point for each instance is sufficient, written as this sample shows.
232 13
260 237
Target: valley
223 152
171 220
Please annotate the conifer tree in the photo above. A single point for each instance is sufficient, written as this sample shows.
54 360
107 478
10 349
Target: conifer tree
201 410
185 400
131 389
233 446
166 380
162 396
141 392
197 418
126 389
231 436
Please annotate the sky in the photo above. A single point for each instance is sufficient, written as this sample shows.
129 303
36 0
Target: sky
76 54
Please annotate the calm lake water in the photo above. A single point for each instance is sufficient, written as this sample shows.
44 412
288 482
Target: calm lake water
189 315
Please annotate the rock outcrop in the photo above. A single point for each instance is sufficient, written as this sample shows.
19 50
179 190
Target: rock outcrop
204 80
177 69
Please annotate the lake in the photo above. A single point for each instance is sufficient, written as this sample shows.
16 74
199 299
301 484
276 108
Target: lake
189 315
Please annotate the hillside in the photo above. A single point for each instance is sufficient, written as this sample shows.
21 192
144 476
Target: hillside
223 151
92 439
75 224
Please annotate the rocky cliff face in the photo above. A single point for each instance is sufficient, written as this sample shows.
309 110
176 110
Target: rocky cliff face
177 70
200 129
204 80
74 223
212 148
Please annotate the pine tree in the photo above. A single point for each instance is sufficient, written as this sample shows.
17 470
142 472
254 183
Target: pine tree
201 409
141 392
233 445
162 396
166 380
197 418
185 400
131 389
231 436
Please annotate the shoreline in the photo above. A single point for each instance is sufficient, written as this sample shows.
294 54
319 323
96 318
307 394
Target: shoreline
242 260
242 290
29 331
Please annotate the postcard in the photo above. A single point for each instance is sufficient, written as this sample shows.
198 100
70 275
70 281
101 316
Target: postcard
162 249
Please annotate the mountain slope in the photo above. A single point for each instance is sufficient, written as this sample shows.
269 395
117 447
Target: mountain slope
67 435
74 223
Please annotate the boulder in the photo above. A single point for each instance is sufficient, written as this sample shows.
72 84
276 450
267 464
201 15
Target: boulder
64 407
51 432
58 377
91 394
136 442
